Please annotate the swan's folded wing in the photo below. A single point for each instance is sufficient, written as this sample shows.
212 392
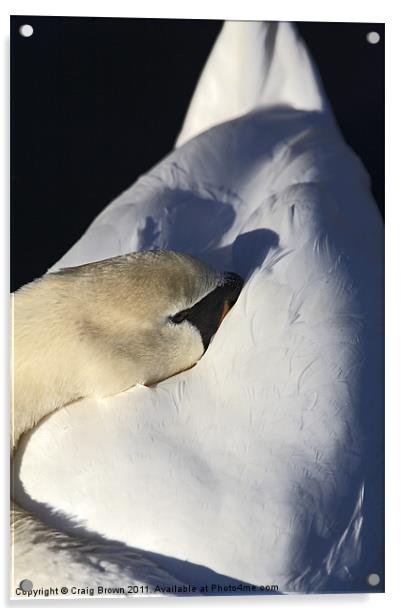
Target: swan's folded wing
253 64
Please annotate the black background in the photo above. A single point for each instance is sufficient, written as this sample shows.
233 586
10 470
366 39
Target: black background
96 102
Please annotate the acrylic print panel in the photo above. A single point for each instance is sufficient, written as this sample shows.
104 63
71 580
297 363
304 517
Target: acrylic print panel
251 147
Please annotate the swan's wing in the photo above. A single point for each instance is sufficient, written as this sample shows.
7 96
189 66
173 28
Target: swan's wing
253 64
264 462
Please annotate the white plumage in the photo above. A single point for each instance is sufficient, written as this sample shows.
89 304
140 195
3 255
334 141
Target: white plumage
262 463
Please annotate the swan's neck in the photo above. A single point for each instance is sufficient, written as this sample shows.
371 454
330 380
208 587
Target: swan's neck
53 362
43 368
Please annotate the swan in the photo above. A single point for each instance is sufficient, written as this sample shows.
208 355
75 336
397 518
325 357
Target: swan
134 319
263 464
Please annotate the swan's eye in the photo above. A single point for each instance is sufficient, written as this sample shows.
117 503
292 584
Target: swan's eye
180 316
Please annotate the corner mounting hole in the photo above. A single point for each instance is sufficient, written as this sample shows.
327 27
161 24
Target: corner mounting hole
373 579
26 30
26 585
373 38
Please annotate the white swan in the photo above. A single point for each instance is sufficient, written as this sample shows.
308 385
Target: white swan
263 463
129 320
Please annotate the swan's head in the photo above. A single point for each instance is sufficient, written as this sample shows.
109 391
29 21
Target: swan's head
158 309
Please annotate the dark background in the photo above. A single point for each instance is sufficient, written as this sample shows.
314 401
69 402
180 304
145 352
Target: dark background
87 117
